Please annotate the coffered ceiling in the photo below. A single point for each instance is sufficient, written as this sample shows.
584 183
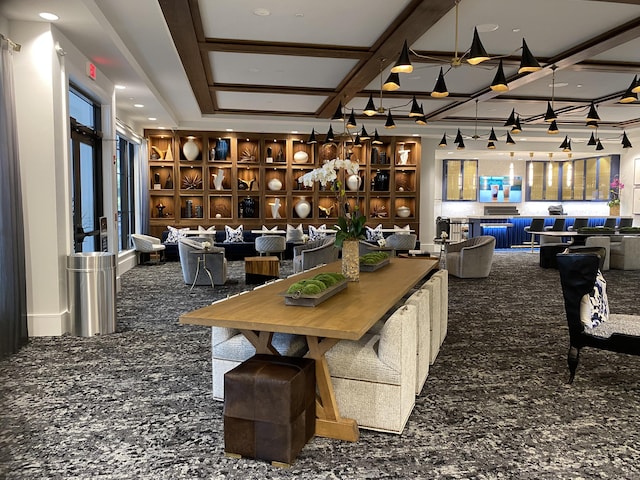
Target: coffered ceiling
276 64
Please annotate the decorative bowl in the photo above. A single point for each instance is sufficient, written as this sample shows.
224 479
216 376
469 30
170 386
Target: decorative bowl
300 157
403 211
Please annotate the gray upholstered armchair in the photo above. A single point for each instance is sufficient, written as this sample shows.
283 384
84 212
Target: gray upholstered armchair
471 258
402 241
215 262
146 244
314 253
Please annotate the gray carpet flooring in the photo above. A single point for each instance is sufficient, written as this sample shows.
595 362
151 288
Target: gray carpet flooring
137 404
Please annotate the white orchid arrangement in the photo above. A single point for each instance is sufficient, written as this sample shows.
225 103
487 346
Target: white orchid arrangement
206 245
333 172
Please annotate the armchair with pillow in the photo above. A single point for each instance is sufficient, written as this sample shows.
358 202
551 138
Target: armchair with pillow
215 262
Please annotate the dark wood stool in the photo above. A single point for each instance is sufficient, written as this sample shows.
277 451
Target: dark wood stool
269 408
261 269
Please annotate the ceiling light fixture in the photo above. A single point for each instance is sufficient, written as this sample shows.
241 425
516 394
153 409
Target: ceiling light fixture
312 137
528 62
443 142
376 138
330 136
52 17
392 83
553 128
403 65
510 140
390 123
599 147
592 140
351 123
631 95
364 135
338 115
499 83
370 109
625 141
440 90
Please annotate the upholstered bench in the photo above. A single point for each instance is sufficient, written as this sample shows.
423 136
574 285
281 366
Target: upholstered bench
269 408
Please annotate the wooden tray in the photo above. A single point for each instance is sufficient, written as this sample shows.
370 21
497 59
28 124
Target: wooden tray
313 300
372 267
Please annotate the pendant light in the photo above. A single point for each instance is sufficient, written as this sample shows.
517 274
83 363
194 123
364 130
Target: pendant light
592 140
593 117
553 128
390 123
357 142
511 121
330 136
499 83
528 62
567 147
312 137
625 141
491 145
477 53
458 138
392 83
370 109
492 136
363 134
415 109
443 142
516 129
564 143
510 140
631 94
550 116
421 120
461 145
403 65
636 85
376 138
351 123
599 146
440 90
338 113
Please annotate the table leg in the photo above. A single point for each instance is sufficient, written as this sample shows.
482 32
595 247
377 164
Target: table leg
195 278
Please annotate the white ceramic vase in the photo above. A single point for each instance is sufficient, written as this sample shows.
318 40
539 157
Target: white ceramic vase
274 184
300 157
218 178
275 209
353 182
191 149
302 208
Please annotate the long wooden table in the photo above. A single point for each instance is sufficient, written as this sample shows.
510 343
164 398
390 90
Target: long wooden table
347 315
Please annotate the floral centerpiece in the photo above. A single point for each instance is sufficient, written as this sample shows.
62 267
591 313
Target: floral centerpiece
614 192
333 173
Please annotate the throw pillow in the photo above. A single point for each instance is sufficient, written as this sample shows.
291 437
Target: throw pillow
210 229
267 229
175 234
594 307
294 234
406 230
317 233
233 235
374 234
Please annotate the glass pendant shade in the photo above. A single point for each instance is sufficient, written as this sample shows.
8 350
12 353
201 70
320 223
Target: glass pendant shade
415 108
440 90
550 116
477 53
370 109
553 128
403 65
528 62
351 123
390 123
499 83
392 83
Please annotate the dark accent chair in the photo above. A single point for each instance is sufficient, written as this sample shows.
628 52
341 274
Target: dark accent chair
625 222
537 225
611 222
620 333
579 223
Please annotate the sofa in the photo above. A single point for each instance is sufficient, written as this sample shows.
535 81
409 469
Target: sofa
471 258
625 254
215 262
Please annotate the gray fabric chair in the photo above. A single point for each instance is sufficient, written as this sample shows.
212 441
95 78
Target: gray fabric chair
314 253
471 258
215 262
625 255
402 241
267 244
146 244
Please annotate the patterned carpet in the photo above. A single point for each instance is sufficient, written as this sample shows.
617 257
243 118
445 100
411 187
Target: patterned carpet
137 404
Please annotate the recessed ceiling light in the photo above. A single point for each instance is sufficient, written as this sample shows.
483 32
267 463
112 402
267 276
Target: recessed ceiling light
515 30
294 131
415 135
559 84
49 16
229 129
579 85
138 105
299 15
261 12
120 87
153 119
487 27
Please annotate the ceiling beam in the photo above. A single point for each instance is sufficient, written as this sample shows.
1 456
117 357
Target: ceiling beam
283 48
410 25
235 87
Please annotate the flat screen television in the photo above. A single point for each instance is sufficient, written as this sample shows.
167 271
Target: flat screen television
495 189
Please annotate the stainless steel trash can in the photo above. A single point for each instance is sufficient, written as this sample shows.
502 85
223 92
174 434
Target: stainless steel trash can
92 293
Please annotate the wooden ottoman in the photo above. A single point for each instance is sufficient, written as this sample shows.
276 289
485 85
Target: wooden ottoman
261 269
269 408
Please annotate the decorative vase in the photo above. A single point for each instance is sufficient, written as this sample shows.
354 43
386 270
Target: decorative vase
191 149
381 181
217 179
274 184
275 209
248 208
300 157
404 156
222 149
614 210
351 260
353 182
169 183
302 208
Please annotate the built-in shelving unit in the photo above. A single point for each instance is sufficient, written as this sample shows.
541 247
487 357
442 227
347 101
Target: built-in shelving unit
237 178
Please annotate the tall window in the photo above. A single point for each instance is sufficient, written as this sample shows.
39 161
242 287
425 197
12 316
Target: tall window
460 180
125 156
87 171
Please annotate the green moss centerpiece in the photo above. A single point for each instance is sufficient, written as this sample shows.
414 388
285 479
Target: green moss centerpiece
312 291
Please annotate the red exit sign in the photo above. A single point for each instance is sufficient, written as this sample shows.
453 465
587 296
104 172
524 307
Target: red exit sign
91 70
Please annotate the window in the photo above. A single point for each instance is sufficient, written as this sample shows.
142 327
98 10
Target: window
460 180
86 184
125 160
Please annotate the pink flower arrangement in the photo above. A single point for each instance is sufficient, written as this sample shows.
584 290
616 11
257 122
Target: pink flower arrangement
614 193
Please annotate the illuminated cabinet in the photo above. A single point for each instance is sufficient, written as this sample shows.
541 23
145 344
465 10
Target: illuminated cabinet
201 178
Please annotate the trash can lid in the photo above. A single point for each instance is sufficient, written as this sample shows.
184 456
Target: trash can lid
91 260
